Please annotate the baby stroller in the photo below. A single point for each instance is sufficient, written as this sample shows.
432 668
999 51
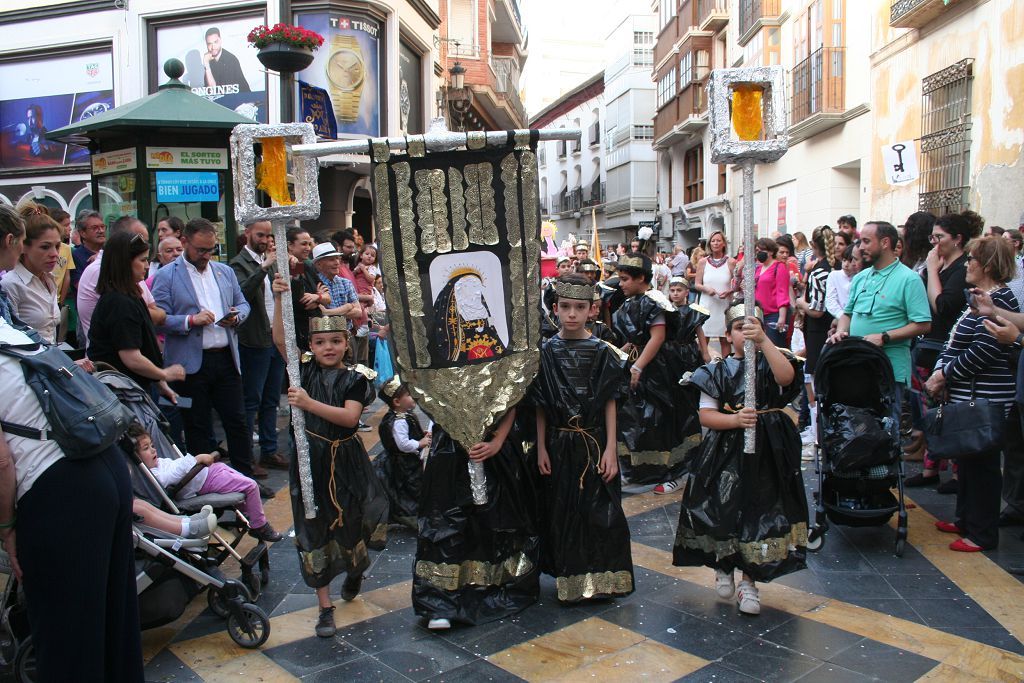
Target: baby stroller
857 458
172 570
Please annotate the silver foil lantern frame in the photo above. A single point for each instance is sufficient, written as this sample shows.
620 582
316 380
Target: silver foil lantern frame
725 147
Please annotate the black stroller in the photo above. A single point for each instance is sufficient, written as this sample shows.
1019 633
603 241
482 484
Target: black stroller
857 458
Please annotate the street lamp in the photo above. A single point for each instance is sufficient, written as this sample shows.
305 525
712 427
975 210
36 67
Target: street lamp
458 75
460 98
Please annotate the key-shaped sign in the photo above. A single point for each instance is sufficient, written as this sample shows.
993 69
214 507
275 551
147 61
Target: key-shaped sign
900 162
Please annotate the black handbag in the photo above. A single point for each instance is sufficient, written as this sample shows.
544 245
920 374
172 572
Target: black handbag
966 429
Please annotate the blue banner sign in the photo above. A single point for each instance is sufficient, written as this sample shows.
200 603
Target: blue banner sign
187 186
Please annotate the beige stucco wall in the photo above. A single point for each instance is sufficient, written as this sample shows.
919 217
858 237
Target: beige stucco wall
992 33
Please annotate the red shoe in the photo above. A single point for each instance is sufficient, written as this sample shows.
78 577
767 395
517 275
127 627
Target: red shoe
948 528
960 545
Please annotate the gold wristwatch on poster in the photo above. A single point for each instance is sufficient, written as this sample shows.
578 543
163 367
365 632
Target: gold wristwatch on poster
346 73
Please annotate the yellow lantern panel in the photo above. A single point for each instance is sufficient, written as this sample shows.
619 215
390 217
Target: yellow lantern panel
747 112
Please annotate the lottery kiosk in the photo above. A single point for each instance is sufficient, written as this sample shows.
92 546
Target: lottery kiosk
163 155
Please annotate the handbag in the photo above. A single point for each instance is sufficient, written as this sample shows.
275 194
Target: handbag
966 429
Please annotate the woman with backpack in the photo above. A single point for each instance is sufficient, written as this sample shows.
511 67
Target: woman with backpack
98 639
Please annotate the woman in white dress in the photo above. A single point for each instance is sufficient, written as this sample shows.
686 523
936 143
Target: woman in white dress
714 283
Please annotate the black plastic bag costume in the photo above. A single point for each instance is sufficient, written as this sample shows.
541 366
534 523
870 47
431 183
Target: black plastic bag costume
604 333
691 318
352 508
475 563
738 511
658 420
400 473
585 536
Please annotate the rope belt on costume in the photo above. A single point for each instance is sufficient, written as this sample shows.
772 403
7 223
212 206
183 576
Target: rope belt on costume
729 410
576 428
334 495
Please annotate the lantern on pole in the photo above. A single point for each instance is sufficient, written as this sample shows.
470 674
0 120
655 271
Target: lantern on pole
747 111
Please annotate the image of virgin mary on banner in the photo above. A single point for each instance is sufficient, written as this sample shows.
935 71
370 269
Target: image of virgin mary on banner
459 236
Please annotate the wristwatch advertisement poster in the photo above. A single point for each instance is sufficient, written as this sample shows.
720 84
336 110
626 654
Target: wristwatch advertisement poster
347 68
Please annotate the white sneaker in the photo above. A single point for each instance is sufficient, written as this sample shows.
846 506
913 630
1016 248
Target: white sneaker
439 624
748 598
725 584
668 486
808 436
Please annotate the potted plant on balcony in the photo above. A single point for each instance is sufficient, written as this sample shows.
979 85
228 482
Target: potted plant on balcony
285 48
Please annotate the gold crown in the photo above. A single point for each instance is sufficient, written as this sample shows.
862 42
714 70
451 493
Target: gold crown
631 261
567 290
588 267
677 280
391 387
328 323
740 311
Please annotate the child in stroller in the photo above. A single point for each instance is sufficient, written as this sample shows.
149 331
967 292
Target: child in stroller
197 475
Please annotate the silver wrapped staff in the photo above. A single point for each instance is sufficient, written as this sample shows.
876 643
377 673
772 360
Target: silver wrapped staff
728 148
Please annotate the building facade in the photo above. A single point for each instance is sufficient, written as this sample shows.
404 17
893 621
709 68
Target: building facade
609 177
63 61
487 39
820 176
947 77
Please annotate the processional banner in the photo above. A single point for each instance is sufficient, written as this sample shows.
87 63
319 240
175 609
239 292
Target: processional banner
459 235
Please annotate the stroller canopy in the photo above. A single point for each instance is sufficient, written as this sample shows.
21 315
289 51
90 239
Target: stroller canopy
856 373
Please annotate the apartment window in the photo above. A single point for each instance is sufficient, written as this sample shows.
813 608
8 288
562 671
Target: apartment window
643 37
667 88
643 56
666 12
693 174
643 132
722 172
685 69
946 138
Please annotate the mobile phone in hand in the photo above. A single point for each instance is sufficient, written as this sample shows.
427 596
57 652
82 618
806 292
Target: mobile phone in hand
228 317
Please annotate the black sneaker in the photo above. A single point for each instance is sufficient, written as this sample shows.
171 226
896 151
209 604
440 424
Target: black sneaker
325 627
350 588
363 427
266 533
265 491
919 479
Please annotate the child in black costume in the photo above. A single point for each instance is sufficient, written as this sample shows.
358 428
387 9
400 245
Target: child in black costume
584 534
398 466
740 511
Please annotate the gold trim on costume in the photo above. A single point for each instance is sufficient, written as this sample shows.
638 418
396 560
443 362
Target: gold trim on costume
320 559
391 386
581 586
668 458
567 290
368 373
762 551
452 577
630 261
328 323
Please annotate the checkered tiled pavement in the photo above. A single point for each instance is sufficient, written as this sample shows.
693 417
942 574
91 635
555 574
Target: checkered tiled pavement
857 614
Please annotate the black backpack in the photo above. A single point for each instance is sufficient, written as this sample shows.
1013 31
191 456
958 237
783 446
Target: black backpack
85 416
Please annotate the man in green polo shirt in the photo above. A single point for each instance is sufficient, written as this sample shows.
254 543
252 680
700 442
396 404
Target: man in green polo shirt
888 304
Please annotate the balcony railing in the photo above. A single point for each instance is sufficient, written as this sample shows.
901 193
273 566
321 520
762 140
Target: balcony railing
593 194
752 12
915 13
506 82
594 133
712 15
819 84
567 200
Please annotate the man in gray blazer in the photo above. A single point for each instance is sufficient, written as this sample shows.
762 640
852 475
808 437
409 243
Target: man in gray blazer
204 307
262 366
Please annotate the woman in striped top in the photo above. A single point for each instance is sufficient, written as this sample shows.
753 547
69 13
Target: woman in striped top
974 362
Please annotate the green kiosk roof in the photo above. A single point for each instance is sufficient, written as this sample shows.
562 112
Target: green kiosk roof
174 107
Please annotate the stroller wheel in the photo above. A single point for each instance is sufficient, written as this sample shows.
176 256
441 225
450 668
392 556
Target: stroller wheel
815 540
25 662
900 544
248 626
217 601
